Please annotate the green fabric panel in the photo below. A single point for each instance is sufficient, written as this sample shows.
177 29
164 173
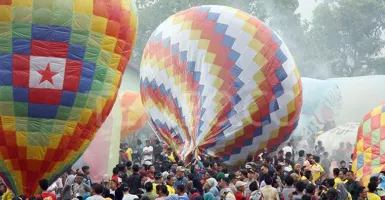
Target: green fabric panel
79 37
62 18
21 30
58 127
91 102
100 74
95 40
6 45
6 92
21 124
376 162
42 16
5 30
367 127
6 108
38 139
106 90
81 21
80 100
75 114
64 5
21 109
104 58
43 4
91 55
63 113
376 134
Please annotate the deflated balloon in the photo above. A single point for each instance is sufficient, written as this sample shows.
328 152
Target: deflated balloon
61 63
216 80
133 113
369 156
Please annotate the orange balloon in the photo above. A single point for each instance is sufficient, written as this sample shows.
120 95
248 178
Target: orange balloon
134 115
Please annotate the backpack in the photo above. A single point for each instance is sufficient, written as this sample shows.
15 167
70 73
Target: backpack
256 195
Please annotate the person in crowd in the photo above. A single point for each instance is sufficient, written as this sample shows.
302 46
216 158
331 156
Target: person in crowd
6 192
106 181
113 186
233 180
372 187
239 195
264 173
163 193
301 158
148 186
150 170
224 185
211 186
269 192
306 163
337 178
352 185
43 184
310 191
86 172
326 164
343 192
129 168
250 162
157 149
96 192
288 148
307 177
362 193
79 188
115 175
126 193
299 191
180 177
289 188
180 191
280 159
134 181
316 169
148 152
255 193
251 177
170 184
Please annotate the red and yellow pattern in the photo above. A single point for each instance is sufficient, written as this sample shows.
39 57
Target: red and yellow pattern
134 116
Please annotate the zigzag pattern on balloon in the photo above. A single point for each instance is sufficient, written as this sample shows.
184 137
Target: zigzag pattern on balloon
216 79
368 156
61 63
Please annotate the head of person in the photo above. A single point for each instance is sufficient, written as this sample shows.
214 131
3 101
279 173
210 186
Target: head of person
243 174
311 159
170 180
129 164
148 143
151 169
43 184
372 187
250 173
121 167
97 189
325 155
350 176
206 164
79 178
268 180
214 166
240 185
158 178
362 192
343 174
224 183
3 188
180 189
135 168
233 178
375 179
332 194
157 142
280 153
249 158
253 186
301 153
288 155
308 175
342 164
289 180
139 142
308 156
163 190
317 159
113 185
265 169
310 189
86 170
300 186
148 186
124 188
319 143
268 160
115 171
180 172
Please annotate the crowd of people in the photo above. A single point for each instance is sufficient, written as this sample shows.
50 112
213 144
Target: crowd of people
154 172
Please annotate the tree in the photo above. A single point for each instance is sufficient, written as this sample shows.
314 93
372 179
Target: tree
346 34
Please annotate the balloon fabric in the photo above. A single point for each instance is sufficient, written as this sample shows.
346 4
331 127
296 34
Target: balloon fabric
61 63
217 81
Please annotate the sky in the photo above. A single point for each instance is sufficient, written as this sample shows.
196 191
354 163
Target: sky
306 8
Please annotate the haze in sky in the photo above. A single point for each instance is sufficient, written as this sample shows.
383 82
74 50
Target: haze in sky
306 8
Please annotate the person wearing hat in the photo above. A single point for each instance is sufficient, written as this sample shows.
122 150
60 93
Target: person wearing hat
233 180
158 181
127 195
251 177
180 177
240 185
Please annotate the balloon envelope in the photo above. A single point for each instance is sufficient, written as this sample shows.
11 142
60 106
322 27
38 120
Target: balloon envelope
133 113
61 64
216 80
368 156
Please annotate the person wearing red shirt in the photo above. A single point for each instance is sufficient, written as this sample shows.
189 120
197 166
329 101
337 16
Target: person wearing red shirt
44 186
240 185
115 175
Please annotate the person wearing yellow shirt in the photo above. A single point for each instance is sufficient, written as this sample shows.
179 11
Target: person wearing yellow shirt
316 169
307 177
7 193
372 187
129 153
170 184
158 181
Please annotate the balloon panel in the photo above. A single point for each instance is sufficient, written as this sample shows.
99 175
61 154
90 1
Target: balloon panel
133 113
368 156
61 63
217 80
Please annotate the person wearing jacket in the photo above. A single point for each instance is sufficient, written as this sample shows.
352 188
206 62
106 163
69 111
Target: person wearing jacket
134 181
7 193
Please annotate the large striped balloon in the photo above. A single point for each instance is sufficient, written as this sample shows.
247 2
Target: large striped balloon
216 80
133 113
61 64
369 154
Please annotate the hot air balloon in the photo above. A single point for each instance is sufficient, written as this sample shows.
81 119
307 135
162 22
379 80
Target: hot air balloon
61 64
369 156
133 111
217 81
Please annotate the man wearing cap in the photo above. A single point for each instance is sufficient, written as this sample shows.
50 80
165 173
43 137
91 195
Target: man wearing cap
225 189
233 180
127 195
251 177
180 178
240 185
158 181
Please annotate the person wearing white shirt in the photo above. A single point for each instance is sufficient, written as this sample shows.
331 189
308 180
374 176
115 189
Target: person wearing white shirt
287 148
96 191
127 196
147 152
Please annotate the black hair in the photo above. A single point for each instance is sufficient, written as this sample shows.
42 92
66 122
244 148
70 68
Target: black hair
253 186
145 198
84 168
289 180
310 189
181 188
119 194
307 174
300 186
374 179
330 181
225 171
135 168
169 177
342 161
336 171
163 189
317 159
128 164
115 171
301 153
360 189
98 188
306 197
268 180
148 186
326 154
124 187
190 176
206 164
308 155
288 154
106 192
249 158
157 141
121 167
372 186
226 180
44 184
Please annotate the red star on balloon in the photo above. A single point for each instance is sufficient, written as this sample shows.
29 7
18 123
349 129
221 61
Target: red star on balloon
47 74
